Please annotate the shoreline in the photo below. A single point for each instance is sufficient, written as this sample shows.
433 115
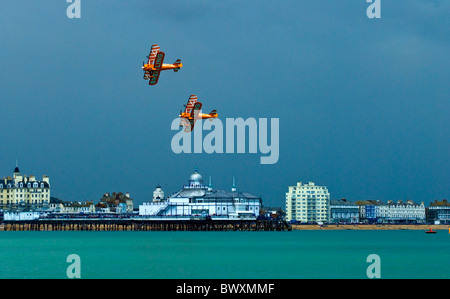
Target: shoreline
423 227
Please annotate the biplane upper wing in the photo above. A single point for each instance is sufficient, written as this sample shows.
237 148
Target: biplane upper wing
190 104
152 56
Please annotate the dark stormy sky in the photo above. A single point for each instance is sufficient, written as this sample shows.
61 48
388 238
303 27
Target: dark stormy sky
363 104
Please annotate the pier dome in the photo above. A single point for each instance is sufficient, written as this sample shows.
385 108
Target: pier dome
196 177
195 180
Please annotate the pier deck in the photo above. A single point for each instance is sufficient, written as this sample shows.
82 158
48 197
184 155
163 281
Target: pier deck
144 225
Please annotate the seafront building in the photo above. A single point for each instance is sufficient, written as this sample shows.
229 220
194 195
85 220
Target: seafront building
25 197
343 211
402 212
77 207
199 200
399 212
369 210
308 203
438 212
115 203
24 191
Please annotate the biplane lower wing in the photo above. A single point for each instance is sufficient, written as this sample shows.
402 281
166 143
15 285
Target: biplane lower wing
196 110
190 126
154 76
194 115
159 60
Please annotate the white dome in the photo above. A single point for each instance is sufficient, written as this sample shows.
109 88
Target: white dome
196 177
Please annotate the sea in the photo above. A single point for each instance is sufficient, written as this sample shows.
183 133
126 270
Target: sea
298 254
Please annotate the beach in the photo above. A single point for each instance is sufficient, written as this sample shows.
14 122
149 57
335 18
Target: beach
423 227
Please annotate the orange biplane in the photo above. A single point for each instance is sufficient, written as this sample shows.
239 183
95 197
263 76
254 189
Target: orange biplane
192 113
155 65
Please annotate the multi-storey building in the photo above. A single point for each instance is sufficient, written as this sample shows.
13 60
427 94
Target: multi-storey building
438 212
343 211
20 191
368 210
116 203
308 203
402 212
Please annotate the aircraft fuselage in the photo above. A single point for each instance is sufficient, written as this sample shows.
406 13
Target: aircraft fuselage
200 115
150 67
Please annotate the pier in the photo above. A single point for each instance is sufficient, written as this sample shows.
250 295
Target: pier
144 225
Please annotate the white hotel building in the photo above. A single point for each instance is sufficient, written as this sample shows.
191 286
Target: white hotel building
401 212
308 203
197 199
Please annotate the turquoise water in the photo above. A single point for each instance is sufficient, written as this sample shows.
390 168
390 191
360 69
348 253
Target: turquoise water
227 255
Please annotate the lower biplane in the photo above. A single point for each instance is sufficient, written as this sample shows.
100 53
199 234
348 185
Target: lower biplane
155 65
192 113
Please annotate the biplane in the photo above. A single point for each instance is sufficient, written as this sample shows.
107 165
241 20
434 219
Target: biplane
155 65
192 113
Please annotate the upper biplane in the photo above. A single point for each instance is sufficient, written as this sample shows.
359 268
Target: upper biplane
192 113
155 65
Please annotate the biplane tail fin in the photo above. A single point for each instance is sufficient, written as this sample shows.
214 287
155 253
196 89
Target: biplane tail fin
178 65
214 113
